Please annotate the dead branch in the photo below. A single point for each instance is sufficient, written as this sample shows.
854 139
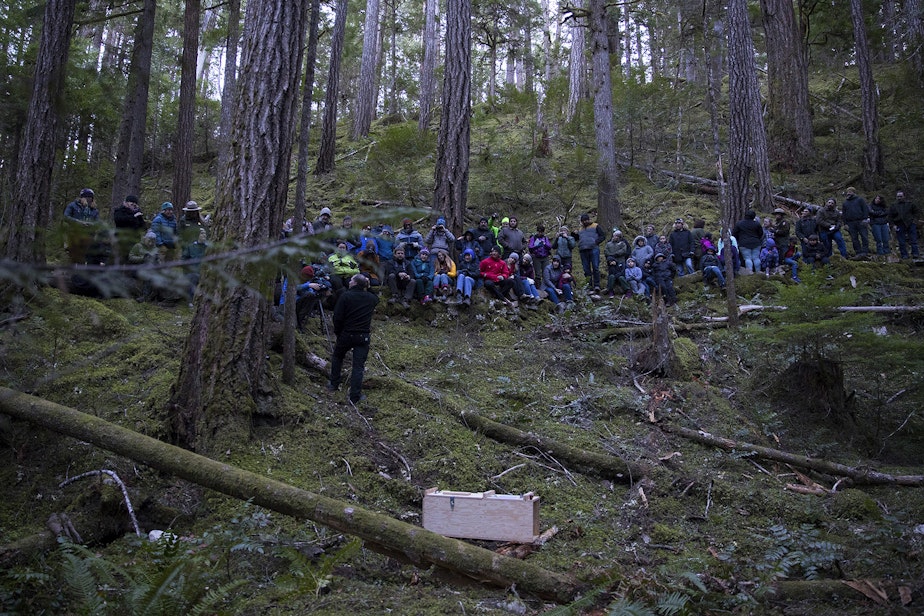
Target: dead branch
857 475
608 467
381 533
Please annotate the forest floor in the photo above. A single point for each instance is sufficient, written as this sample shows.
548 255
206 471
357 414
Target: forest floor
704 531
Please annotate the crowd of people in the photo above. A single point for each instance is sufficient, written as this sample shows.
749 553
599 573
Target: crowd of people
509 265
134 240
513 267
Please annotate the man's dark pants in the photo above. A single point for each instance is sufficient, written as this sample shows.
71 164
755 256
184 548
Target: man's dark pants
359 343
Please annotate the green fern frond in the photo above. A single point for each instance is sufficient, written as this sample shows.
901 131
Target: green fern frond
694 579
672 604
206 605
624 607
152 599
83 583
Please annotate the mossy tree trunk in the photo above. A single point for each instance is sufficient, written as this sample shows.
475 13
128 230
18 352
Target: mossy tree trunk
222 373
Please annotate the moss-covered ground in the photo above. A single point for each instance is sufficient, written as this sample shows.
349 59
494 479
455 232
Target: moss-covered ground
706 531
723 519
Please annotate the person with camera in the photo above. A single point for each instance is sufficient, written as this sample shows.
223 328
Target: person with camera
440 238
562 247
353 328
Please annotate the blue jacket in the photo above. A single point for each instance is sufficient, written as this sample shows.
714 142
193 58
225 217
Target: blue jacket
164 230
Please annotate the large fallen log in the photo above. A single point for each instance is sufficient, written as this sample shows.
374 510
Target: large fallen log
857 475
598 464
380 532
700 182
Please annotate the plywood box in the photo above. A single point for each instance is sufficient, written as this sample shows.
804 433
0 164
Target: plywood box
482 515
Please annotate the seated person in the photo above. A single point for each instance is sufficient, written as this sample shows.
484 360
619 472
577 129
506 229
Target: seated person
712 266
496 275
423 276
343 266
370 265
399 276
444 275
554 287
769 257
662 272
814 252
528 277
467 275
633 275
313 289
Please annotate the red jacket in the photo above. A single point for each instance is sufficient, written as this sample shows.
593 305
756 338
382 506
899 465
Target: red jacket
491 269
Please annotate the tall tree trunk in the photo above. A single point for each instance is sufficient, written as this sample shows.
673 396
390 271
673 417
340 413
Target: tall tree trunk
365 96
873 169
608 213
229 93
301 186
747 137
451 190
392 107
790 119
577 66
186 114
222 376
329 125
712 38
529 64
28 215
130 155
914 16
428 65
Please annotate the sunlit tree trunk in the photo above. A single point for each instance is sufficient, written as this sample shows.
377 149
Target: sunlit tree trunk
873 168
130 154
222 374
577 65
914 14
27 217
186 114
747 137
451 190
329 125
365 97
229 93
428 65
790 117
608 212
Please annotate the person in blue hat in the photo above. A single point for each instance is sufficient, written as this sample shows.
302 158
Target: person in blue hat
164 228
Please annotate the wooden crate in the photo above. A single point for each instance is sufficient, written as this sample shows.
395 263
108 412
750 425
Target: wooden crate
482 515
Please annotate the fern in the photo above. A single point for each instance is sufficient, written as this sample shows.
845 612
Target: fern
694 579
206 605
82 582
624 607
672 604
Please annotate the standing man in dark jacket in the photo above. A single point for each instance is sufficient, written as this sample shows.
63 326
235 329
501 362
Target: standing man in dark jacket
856 217
904 216
589 239
681 241
130 224
353 327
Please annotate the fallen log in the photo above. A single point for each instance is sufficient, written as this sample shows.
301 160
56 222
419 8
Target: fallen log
598 464
380 532
884 592
701 182
857 475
